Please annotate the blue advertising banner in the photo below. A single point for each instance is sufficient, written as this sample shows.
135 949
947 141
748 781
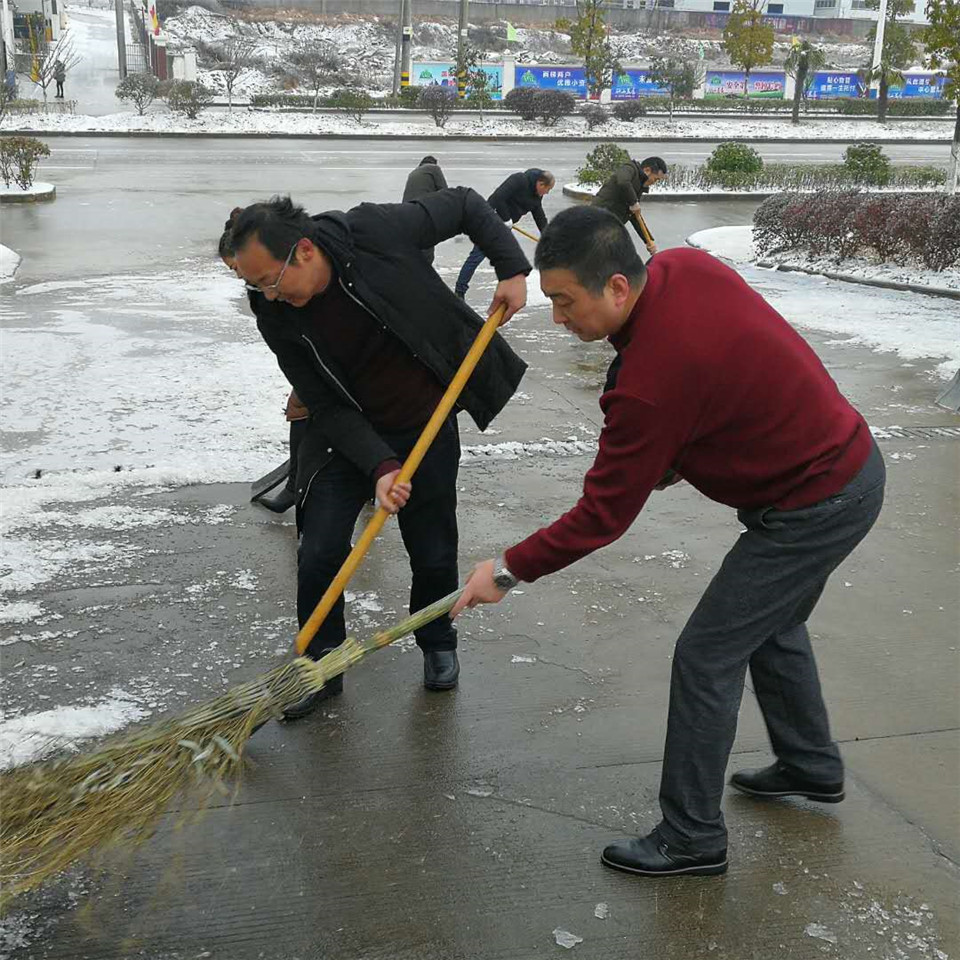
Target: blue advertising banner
920 85
630 84
829 85
730 83
568 79
440 74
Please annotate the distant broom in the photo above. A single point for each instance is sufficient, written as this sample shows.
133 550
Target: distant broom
61 811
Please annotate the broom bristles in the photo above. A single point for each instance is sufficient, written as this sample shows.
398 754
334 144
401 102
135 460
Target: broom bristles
59 811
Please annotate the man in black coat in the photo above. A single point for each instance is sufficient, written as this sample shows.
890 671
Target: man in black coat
424 179
369 337
520 193
621 193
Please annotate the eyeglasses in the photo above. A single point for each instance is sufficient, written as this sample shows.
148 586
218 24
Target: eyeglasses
274 287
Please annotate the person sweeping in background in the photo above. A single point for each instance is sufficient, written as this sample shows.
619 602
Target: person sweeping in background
709 385
621 193
519 194
426 177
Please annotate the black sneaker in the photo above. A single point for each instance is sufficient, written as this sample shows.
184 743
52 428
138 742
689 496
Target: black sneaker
777 781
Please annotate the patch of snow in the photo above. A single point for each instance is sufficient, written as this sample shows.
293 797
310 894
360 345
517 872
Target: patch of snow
9 261
38 188
601 911
566 939
819 932
730 243
20 612
35 735
517 450
523 658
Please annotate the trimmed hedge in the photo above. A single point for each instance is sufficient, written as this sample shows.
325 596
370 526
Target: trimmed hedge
895 227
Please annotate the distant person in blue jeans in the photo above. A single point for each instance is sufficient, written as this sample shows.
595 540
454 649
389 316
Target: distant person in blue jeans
520 193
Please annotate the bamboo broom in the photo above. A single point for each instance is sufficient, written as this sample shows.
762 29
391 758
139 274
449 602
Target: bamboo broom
57 812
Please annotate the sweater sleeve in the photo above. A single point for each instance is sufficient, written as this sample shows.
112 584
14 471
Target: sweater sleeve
638 443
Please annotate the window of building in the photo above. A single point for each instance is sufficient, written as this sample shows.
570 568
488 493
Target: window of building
668 4
774 8
721 6
859 5
825 4
53 7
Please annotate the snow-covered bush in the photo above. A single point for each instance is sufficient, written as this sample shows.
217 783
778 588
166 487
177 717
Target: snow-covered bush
595 115
19 157
141 89
554 105
439 102
188 97
352 100
734 158
522 101
629 110
892 227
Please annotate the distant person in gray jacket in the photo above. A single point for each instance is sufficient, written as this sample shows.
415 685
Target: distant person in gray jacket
426 178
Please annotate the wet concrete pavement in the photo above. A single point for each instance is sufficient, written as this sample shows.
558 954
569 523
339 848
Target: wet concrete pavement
403 824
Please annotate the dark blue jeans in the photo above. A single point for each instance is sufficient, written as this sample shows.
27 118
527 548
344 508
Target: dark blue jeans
754 613
428 526
469 268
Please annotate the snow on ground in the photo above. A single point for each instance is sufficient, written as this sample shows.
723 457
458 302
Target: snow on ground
492 125
38 189
31 737
9 261
909 324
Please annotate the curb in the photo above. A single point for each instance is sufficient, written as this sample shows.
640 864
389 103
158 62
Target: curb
465 138
863 281
41 196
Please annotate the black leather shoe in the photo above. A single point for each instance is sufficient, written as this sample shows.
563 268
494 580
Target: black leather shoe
777 781
651 856
441 668
280 502
306 706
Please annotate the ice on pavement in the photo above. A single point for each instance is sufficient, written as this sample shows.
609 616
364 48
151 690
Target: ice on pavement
565 938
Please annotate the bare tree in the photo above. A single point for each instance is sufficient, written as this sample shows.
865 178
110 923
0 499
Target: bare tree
231 59
47 64
318 65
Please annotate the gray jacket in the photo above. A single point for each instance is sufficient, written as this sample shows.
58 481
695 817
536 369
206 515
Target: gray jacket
427 178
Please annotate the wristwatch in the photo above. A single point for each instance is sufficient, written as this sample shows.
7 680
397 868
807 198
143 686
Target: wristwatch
503 578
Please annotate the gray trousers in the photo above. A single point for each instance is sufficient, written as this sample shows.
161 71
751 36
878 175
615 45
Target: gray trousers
754 613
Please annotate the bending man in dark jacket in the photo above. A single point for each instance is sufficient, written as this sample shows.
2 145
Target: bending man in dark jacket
520 193
369 336
424 179
621 194
710 383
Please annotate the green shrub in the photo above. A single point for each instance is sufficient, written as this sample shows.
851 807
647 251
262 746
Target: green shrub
630 110
19 158
188 97
352 100
408 96
866 163
141 89
554 105
601 162
595 115
739 158
522 101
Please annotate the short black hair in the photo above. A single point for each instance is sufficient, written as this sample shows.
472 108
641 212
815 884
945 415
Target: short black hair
656 164
225 246
592 244
427 159
278 224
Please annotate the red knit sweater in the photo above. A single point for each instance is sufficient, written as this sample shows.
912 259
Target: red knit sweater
715 384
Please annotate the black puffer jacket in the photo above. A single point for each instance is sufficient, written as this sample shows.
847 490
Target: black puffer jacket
518 195
375 249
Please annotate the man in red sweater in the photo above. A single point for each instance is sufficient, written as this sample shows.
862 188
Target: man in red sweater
710 384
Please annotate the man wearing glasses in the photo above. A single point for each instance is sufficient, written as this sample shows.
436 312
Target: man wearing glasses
369 336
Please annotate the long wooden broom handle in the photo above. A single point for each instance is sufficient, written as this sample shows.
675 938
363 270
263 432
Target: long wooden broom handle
529 236
309 629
